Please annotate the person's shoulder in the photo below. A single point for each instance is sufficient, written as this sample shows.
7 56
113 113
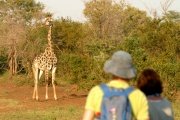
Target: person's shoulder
96 89
137 93
165 100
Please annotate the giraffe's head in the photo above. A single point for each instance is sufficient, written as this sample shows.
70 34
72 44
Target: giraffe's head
48 21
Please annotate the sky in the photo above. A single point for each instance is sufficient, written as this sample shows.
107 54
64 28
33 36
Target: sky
74 8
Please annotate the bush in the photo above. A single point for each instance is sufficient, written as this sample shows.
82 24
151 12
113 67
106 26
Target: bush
3 63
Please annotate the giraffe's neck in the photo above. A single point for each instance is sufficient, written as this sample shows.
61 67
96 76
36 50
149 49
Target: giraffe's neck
49 38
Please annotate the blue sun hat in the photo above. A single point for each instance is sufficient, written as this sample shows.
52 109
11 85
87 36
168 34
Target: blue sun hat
120 64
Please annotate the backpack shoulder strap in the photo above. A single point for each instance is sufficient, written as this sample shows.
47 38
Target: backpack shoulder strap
105 90
129 90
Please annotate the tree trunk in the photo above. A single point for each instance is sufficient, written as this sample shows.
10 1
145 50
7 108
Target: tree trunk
13 61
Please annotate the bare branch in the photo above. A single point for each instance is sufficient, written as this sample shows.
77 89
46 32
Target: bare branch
165 4
152 11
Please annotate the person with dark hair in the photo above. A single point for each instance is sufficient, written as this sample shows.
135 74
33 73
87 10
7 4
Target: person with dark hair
150 83
120 66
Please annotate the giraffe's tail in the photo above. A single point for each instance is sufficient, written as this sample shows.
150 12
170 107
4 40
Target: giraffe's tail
34 69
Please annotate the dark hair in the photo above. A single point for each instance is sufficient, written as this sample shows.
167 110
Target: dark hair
149 82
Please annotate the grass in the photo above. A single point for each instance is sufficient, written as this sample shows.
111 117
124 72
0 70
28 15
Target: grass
176 108
59 113
8 102
53 113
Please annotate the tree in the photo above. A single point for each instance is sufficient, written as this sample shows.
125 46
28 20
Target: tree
159 42
113 20
172 16
16 17
98 13
165 4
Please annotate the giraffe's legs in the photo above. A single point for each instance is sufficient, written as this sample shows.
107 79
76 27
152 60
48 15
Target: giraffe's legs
46 97
46 80
37 73
39 76
53 84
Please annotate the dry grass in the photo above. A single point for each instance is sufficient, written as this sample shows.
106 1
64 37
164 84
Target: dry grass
59 113
176 106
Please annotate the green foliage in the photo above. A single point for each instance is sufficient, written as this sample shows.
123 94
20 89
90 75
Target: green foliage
20 80
3 62
67 35
172 16
95 47
72 67
132 21
158 42
79 69
140 57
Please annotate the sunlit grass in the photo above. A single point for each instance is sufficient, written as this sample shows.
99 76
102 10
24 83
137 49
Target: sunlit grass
8 103
176 107
58 113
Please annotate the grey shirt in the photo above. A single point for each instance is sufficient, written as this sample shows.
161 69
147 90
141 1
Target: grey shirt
160 110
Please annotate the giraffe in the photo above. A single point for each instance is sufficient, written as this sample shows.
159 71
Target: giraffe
45 62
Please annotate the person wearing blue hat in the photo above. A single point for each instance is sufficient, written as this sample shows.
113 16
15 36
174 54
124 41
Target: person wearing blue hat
121 67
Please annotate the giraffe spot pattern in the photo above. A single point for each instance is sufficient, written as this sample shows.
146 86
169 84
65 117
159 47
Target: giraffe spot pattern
47 59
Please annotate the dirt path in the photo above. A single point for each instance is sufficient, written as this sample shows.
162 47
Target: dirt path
14 98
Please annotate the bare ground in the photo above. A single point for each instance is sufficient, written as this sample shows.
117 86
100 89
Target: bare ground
20 98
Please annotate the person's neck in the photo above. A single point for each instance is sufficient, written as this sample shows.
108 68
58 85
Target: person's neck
120 79
154 97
